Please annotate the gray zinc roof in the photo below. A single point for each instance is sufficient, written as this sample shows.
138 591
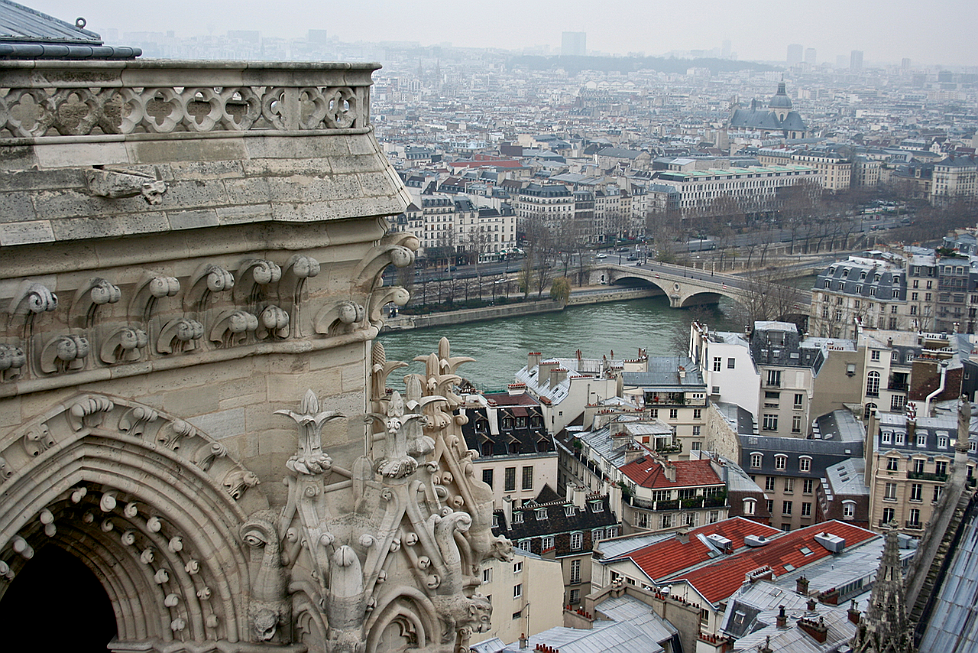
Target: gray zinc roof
953 624
29 34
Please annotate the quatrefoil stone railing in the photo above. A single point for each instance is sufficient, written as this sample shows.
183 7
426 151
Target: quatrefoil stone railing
50 98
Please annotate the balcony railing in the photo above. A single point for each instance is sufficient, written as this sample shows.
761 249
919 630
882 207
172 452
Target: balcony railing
926 476
104 98
914 525
675 447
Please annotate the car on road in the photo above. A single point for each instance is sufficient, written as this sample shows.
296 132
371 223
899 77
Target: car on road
601 256
632 258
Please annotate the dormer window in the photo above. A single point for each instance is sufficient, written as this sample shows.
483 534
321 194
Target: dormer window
517 517
597 506
541 514
569 511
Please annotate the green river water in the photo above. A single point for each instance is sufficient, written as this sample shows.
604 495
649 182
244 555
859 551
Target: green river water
500 346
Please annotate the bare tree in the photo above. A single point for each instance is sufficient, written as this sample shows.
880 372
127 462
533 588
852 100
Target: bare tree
767 297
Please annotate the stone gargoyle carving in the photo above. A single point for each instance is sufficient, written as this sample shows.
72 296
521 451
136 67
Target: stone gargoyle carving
381 545
118 183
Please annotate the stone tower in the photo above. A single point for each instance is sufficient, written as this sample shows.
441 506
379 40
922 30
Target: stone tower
190 404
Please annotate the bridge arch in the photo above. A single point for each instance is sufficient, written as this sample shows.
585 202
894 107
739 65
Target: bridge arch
151 505
681 290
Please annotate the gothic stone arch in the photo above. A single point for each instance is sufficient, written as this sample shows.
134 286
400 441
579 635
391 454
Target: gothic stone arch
149 503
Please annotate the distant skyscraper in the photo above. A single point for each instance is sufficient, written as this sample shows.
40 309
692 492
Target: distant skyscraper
794 54
905 64
725 50
810 56
574 44
856 61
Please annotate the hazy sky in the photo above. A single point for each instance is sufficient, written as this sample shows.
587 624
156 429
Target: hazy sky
941 31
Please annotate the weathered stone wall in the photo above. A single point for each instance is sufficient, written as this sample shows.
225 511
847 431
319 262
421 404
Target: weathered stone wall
187 252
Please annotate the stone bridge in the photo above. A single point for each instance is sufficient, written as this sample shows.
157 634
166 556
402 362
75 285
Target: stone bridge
684 286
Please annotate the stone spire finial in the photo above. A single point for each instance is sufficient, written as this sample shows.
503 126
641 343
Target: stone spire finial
964 424
886 627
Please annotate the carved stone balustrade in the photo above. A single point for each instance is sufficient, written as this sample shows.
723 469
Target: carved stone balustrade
48 98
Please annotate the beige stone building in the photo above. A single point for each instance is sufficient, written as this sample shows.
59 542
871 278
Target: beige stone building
522 595
911 461
190 261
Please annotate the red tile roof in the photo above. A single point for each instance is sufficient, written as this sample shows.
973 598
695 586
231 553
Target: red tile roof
719 580
671 556
647 472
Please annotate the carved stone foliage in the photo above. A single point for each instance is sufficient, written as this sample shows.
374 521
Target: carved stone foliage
36 112
260 303
381 550
130 423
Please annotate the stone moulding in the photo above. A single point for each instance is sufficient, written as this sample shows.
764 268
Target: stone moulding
163 322
149 503
45 98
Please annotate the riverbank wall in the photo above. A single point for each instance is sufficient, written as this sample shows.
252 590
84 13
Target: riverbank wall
403 322
585 296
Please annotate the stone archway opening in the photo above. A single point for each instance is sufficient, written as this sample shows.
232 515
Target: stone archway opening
58 599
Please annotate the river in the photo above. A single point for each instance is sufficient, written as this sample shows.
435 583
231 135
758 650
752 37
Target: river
500 346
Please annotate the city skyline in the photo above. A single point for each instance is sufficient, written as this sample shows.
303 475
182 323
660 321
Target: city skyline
653 28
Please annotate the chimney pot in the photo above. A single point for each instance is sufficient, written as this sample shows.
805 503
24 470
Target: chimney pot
782 619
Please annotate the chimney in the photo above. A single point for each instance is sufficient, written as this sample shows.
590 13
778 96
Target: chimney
670 470
782 619
523 641
811 604
767 645
816 629
854 613
544 374
801 586
532 360
633 453
557 374
683 535
516 389
508 511
580 495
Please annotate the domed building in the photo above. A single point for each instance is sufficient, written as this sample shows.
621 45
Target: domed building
777 119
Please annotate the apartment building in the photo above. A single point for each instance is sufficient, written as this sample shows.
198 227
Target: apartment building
861 290
789 470
910 463
566 386
755 189
561 530
888 358
955 178
787 372
513 587
724 360
517 457
629 458
551 204
672 389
